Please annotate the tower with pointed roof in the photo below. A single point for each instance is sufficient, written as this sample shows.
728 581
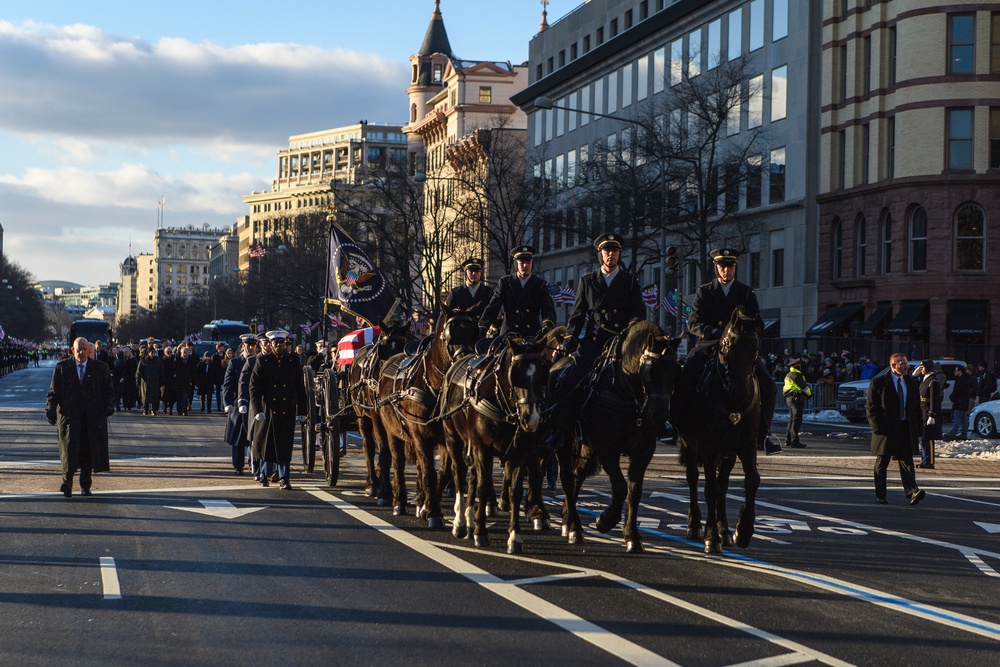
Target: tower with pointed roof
427 68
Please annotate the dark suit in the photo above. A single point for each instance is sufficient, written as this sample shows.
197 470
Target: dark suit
524 308
462 299
80 410
610 308
893 436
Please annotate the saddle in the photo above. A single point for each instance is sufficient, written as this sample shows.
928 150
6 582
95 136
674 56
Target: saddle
413 351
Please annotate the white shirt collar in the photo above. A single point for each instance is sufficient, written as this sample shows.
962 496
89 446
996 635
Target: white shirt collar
609 276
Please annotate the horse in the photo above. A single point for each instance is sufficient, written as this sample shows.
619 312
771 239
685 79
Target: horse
493 407
626 400
405 415
718 421
363 381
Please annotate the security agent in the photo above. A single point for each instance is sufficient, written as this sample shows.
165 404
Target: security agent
711 311
473 296
524 299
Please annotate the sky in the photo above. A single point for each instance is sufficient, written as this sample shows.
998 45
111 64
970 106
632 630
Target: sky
108 106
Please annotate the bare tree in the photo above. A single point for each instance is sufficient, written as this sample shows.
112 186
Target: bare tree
21 311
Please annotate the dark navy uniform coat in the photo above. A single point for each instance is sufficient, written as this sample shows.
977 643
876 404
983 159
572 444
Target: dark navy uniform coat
611 307
524 308
712 309
277 390
461 298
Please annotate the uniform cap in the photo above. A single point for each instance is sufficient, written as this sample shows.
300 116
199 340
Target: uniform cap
608 242
277 334
725 256
473 263
249 338
523 252
928 364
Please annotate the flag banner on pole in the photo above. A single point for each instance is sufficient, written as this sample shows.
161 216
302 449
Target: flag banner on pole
669 302
336 321
256 250
348 346
649 297
568 295
355 284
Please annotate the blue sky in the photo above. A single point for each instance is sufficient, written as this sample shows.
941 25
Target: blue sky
107 106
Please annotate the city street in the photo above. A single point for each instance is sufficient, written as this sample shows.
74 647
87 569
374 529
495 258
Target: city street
176 560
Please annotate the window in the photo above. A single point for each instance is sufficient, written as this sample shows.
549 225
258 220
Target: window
885 244
735 49
961 43
866 155
599 96
843 74
776 180
642 78
756 24
753 180
995 43
659 70
439 72
614 27
779 93
867 46
586 43
890 143
694 54
572 51
755 270
731 186
626 85
735 109
918 239
676 62
836 249
600 36
778 267
842 159
714 43
485 95
585 106
779 19
995 138
643 10
612 92
970 238
959 139
755 104
551 65
860 245
562 58
892 56
628 19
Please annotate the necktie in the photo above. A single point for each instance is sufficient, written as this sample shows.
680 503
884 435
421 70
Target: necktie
79 369
902 398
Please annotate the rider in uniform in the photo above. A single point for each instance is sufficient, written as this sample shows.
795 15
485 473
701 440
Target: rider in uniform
607 301
713 306
474 295
523 297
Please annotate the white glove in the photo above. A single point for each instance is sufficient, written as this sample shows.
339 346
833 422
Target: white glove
259 417
930 421
229 409
243 409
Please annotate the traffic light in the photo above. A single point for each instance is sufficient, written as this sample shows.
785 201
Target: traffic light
672 260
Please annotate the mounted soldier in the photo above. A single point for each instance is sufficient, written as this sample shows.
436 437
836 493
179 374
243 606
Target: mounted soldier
473 296
528 308
712 309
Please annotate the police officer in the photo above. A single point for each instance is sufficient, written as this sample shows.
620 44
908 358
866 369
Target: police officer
607 301
713 306
474 295
277 397
524 299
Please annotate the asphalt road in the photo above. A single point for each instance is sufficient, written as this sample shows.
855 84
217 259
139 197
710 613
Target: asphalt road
176 561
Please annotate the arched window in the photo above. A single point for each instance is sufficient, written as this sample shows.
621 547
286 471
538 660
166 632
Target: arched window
413 113
837 247
970 238
860 244
885 244
918 239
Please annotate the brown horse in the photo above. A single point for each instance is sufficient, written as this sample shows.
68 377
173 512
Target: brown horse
718 420
406 409
625 403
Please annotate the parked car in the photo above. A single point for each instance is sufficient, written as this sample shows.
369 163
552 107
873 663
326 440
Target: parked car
851 396
985 418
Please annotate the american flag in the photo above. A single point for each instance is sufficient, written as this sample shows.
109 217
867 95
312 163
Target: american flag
669 302
562 295
256 250
649 297
336 321
348 346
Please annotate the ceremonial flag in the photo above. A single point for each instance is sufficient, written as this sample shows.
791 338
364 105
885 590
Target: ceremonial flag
256 250
649 296
568 295
348 346
354 283
669 302
556 293
305 329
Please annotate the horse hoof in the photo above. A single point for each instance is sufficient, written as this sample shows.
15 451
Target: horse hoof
743 539
576 537
695 534
398 510
435 522
370 491
459 532
603 525
383 502
491 510
503 505
481 541
713 547
541 524
565 530
634 547
423 513
515 548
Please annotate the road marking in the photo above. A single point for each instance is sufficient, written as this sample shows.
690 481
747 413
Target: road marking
988 527
109 577
978 562
776 661
589 632
220 509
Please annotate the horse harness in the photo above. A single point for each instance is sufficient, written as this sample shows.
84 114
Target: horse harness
621 395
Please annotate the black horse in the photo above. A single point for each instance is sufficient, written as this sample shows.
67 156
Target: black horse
406 417
492 406
718 418
363 380
625 403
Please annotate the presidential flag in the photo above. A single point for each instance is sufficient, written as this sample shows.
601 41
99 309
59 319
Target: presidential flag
355 284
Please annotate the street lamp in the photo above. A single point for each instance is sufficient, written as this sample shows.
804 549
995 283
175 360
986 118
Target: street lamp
544 103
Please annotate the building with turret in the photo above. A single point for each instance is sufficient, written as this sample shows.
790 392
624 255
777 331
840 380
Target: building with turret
127 303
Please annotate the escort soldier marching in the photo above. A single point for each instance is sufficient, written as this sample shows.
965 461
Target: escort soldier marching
237 432
474 295
711 311
524 299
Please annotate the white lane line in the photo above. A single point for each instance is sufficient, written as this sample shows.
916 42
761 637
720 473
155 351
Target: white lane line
776 661
109 577
967 500
978 562
589 632
527 581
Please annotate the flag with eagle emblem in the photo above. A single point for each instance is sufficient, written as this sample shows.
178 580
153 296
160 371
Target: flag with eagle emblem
354 283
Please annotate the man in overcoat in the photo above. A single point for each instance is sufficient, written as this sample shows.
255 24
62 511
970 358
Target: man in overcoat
523 297
893 408
246 408
149 378
79 402
278 397
236 433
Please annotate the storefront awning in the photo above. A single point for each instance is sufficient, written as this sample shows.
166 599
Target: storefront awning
909 312
832 319
772 326
878 317
968 318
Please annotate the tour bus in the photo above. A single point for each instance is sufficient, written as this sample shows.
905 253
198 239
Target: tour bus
92 330
228 331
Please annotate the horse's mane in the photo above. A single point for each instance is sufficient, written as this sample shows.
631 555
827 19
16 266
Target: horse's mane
635 343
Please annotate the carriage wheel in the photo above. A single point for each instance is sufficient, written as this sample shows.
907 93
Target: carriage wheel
312 418
331 434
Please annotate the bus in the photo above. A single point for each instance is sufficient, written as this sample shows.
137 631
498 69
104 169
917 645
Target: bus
228 331
92 330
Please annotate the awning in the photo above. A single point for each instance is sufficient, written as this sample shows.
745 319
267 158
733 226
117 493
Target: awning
876 319
832 319
968 318
909 312
771 325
